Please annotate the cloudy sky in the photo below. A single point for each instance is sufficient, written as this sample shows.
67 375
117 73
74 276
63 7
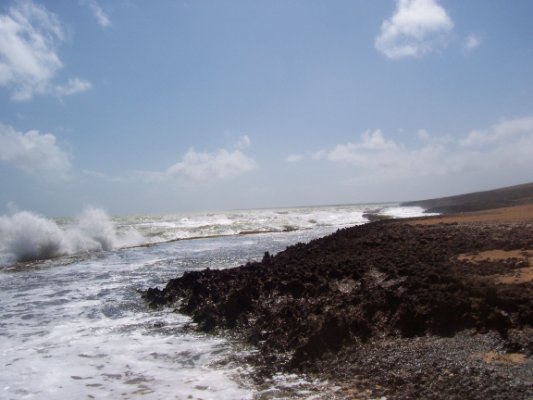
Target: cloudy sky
169 106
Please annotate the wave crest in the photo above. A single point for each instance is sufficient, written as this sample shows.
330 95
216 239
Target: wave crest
26 236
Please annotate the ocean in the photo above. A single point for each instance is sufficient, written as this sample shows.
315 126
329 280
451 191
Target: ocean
73 324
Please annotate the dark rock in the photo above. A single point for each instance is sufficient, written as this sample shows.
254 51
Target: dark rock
362 287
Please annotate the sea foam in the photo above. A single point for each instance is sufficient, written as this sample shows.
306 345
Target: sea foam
26 236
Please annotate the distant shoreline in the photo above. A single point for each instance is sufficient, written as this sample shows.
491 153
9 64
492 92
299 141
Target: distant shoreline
498 198
521 213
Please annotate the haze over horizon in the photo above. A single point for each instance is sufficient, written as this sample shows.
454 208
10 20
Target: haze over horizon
171 106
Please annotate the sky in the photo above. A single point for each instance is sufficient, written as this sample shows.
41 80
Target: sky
191 105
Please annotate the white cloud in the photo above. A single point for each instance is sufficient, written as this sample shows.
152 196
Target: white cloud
371 152
501 132
102 176
29 37
356 153
33 153
294 158
244 142
73 86
201 167
472 42
506 146
98 12
416 29
423 134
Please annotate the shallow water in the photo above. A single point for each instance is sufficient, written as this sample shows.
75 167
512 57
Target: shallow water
76 326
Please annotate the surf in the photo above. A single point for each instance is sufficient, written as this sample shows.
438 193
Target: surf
27 236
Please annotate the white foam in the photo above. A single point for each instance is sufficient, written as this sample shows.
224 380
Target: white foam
194 225
405 212
26 236
82 331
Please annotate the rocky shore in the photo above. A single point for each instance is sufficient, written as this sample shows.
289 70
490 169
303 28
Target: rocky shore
391 308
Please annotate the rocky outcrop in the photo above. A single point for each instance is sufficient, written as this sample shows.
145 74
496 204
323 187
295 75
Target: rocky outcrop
360 286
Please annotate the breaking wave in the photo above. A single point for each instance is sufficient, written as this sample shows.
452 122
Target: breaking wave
26 236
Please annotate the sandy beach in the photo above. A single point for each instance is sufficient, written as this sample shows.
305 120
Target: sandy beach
434 307
522 213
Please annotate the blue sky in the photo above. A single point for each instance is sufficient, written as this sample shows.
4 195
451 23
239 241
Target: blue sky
169 106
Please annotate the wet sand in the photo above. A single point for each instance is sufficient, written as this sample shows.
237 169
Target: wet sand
435 307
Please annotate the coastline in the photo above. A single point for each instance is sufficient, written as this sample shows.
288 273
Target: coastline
417 308
521 213
470 202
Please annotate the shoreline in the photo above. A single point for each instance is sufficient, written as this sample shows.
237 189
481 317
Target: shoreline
415 308
470 202
520 213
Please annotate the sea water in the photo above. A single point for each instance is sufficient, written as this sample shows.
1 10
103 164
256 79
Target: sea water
73 324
